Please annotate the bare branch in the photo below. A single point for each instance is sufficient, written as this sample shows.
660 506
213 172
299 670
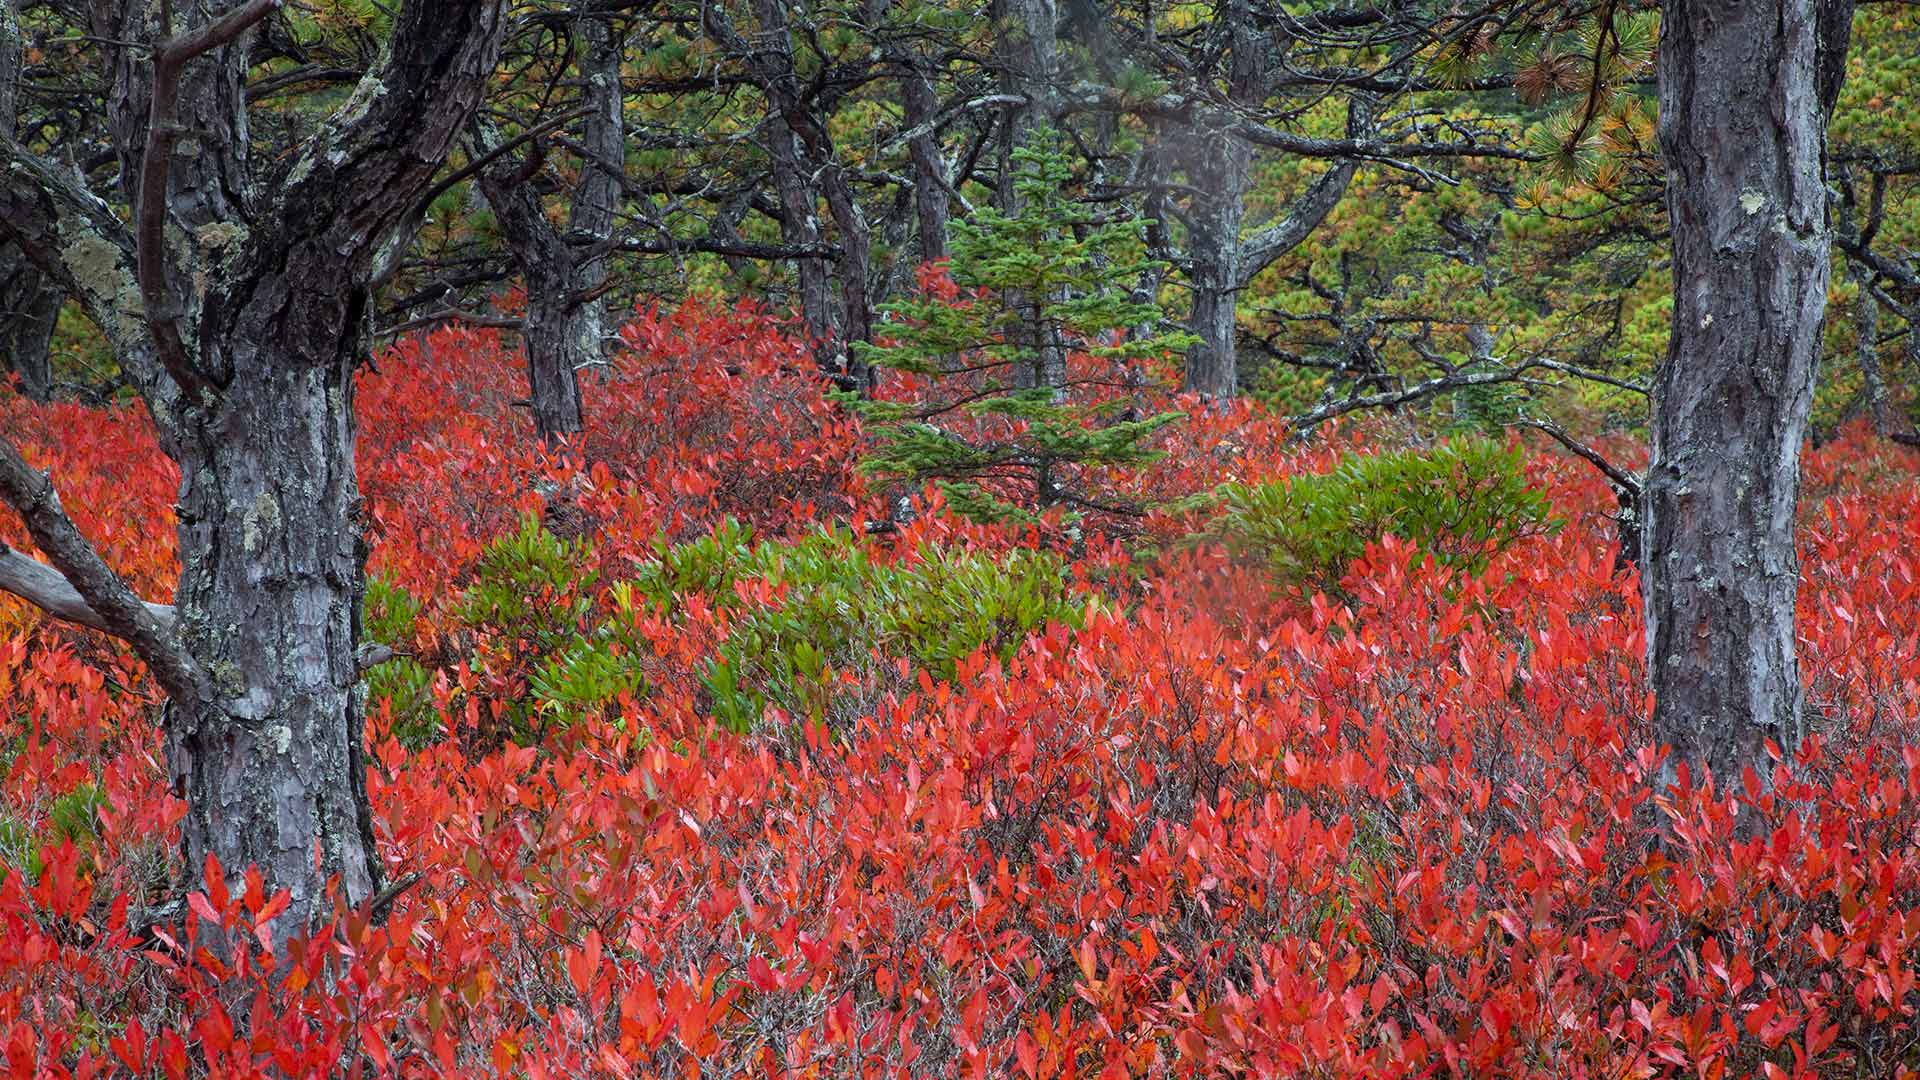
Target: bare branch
493 154
1305 216
948 115
75 238
75 562
1405 395
454 315
49 590
1623 481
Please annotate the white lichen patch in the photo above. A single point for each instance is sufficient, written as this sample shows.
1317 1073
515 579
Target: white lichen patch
96 264
260 520
367 91
220 236
1752 202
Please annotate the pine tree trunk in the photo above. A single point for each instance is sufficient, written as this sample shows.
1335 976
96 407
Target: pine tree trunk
252 318
29 304
268 601
1221 172
800 227
931 202
1866 347
1744 103
1220 179
564 329
562 338
551 329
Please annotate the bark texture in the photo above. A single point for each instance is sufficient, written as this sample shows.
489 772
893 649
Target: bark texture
262 278
29 305
29 302
1745 92
564 330
1221 257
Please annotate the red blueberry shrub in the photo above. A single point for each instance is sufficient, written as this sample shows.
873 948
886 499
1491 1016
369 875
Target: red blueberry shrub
1209 825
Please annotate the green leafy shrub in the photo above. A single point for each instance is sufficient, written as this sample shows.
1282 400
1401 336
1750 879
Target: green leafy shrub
388 616
839 605
546 652
1458 503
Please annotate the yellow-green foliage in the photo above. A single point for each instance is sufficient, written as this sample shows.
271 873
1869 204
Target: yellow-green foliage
1458 503
841 605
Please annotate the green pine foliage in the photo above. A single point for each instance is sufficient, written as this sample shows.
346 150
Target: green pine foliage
1005 438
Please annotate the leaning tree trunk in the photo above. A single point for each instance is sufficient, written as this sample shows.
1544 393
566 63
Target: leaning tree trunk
800 227
1745 91
1866 347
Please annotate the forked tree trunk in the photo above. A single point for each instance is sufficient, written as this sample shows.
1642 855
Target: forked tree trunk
1746 87
564 329
251 321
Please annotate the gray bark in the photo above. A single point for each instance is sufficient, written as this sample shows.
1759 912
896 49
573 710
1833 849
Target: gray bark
800 227
813 174
28 302
1029 57
1219 165
1745 93
1219 169
565 326
802 165
29 306
931 175
265 284
596 200
1866 348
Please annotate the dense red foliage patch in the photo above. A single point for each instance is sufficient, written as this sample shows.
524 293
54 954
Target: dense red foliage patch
1219 830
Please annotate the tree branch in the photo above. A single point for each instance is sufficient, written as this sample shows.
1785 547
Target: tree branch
1456 380
1623 481
75 238
1305 216
353 188
114 607
49 590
